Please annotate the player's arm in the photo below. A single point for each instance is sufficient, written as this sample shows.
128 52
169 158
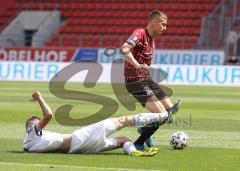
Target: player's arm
125 50
46 110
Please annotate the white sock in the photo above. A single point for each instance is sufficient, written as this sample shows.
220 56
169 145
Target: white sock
128 147
143 119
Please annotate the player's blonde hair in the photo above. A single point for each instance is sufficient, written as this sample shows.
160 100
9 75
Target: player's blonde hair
157 14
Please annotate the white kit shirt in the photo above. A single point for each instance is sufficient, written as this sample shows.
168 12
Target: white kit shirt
42 141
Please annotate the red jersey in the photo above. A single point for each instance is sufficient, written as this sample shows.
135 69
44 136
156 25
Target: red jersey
143 48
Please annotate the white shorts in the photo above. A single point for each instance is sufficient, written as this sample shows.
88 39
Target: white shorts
93 138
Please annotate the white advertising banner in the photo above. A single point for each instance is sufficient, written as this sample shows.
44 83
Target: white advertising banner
178 57
176 74
197 75
44 71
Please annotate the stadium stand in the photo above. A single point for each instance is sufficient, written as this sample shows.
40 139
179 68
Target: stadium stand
109 23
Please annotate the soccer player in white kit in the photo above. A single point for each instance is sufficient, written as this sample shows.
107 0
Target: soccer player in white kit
90 139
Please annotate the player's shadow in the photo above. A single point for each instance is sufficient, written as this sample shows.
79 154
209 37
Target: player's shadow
24 152
99 154
111 153
15 151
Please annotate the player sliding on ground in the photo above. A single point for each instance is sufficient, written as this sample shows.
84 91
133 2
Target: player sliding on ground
89 139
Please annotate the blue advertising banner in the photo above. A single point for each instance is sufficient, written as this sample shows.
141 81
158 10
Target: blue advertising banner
86 55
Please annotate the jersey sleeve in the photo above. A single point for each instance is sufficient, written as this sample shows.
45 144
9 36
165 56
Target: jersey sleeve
32 131
135 37
30 137
38 133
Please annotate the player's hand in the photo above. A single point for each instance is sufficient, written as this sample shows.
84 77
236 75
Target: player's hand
36 96
143 67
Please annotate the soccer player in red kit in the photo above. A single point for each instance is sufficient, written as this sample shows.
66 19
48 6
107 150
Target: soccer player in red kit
138 53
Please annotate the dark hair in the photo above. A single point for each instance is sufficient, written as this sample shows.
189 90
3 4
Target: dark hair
156 13
27 124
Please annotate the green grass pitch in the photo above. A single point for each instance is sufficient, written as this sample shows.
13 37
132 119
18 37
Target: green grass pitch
209 115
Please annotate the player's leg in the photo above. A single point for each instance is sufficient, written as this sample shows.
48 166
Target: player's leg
162 93
114 143
91 138
147 131
143 93
158 101
128 147
152 105
166 102
138 120
111 125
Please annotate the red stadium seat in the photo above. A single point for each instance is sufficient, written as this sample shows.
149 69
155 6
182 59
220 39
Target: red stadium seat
113 21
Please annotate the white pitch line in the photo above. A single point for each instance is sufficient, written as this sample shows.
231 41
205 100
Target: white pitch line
76 167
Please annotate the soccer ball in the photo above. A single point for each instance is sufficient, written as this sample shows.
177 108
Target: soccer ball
179 140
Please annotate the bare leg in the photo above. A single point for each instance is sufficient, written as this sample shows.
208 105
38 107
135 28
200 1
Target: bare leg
154 105
123 121
114 143
166 102
121 140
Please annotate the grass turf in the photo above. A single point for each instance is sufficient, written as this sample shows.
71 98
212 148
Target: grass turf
209 115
